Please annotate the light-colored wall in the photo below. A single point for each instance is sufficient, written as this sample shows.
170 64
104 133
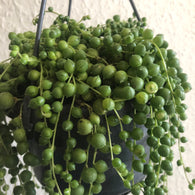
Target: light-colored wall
173 18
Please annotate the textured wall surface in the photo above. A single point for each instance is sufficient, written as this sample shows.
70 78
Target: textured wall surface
173 18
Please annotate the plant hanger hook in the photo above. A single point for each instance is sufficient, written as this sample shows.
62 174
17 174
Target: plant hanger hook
135 9
40 23
39 27
69 7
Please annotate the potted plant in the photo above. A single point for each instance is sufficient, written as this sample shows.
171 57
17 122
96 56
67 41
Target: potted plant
98 110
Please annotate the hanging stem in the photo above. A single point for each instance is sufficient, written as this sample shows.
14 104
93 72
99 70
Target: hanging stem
72 104
165 68
181 158
69 115
9 65
54 176
86 163
110 143
52 147
96 91
94 156
41 91
119 118
56 125
170 86
109 137
90 188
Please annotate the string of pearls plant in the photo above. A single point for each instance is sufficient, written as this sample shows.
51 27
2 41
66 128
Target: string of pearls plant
97 71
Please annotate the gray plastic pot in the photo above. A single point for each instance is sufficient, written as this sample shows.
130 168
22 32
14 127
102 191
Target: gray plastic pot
113 184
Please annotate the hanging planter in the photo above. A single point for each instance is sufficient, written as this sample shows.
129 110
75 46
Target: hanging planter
116 186
95 110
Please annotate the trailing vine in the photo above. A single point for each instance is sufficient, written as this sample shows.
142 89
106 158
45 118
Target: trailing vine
87 87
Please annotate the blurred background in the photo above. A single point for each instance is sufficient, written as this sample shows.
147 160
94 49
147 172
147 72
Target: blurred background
173 18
